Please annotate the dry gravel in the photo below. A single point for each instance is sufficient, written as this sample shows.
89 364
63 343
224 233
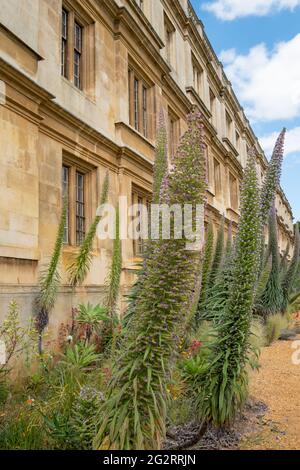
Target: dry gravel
277 384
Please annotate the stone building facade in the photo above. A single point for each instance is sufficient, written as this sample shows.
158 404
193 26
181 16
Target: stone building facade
81 86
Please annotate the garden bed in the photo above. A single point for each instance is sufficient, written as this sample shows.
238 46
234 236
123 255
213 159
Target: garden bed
270 419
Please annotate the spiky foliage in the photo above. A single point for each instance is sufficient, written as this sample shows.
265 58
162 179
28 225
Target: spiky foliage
289 278
223 388
113 280
284 261
228 249
133 295
272 180
81 264
50 279
218 256
134 413
273 327
271 299
206 267
270 187
217 293
261 284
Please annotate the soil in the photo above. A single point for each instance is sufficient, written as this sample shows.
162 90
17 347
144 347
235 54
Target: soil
270 418
277 383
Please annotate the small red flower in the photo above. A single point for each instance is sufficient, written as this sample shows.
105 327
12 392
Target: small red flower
30 401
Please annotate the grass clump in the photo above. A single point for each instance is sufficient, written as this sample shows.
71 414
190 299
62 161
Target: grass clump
273 327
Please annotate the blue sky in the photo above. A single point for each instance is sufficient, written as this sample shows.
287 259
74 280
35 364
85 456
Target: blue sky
258 42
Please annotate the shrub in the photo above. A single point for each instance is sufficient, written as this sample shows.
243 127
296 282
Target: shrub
257 337
273 327
16 340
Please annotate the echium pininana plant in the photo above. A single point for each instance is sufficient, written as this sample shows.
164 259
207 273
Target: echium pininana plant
270 187
228 249
113 283
272 179
218 256
217 289
289 278
271 298
81 264
160 192
161 161
113 280
50 279
223 388
134 413
206 267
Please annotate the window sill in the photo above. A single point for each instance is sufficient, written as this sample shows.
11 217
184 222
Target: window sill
234 211
211 191
120 124
78 90
230 146
29 254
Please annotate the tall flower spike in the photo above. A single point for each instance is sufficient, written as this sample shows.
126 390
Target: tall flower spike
289 278
161 159
206 267
134 413
218 256
223 386
272 179
271 299
270 187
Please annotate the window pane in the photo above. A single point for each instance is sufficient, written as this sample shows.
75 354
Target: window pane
78 37
64 40
77 69
77 54
136 104
217 175
173 137
64 24
65 193
80 209
233 187
145 111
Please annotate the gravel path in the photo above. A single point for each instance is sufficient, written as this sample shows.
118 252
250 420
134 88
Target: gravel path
278 385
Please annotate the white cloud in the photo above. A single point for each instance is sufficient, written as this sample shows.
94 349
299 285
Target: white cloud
292 141
227 56
267 82
228 10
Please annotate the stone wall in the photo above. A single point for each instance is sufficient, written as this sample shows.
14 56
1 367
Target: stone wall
45 119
